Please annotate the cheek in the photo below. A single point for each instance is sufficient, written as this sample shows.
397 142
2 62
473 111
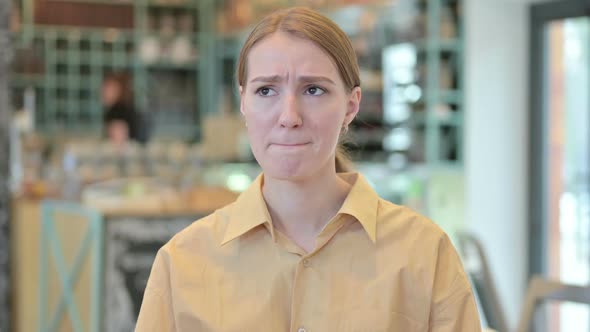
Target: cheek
255 104
259 123
259 111
328 133
328 123
256 134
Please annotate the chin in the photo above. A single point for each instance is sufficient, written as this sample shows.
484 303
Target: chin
286 170
283 172
291 170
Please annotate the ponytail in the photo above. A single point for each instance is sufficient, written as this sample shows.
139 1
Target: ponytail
343 162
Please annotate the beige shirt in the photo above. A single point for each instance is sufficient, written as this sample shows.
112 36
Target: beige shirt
377 266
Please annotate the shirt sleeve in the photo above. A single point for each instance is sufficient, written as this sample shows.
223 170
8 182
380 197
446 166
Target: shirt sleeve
156 313
453 307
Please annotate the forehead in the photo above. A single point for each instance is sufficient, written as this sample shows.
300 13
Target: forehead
281 53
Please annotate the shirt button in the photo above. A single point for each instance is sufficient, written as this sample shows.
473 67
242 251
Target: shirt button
301 329
306 263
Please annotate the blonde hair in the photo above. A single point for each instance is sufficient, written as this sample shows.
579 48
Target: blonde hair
310 25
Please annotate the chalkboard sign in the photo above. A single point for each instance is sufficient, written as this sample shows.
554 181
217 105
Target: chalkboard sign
131 245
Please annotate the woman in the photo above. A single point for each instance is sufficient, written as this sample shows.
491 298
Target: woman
121 121
307 247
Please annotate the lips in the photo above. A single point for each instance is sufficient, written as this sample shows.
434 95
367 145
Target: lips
290 144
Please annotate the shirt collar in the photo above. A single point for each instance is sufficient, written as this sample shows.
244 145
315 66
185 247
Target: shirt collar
361 203
250 211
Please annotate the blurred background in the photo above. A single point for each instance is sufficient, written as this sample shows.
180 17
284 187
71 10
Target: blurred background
120 125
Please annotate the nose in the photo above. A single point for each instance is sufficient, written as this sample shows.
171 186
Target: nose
290 116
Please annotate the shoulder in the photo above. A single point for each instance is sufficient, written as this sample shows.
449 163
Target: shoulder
203 235
188 251
402 231
393 218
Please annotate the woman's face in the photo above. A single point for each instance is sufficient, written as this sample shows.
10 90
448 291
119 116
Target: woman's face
295 105
111 92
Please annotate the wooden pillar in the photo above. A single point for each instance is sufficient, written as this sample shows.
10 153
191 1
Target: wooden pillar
5 114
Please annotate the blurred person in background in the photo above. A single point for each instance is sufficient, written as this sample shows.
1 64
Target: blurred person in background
122 122
309 246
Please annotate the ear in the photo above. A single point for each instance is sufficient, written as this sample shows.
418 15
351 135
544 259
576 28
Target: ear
353 105
241 89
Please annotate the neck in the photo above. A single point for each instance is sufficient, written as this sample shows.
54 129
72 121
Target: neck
301 209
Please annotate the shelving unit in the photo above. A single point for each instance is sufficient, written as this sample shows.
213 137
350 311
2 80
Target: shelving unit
71 67
166 52
177 94
433 111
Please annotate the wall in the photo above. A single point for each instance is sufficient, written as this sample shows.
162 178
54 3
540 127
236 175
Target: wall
496 139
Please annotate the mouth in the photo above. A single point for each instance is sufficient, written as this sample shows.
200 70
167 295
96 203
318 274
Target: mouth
289 145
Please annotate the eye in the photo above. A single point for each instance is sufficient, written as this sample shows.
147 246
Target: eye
315 91
265 91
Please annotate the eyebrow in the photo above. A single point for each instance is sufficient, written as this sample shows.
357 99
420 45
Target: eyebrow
305 79
309 79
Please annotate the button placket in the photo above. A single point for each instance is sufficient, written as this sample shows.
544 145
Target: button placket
306 262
